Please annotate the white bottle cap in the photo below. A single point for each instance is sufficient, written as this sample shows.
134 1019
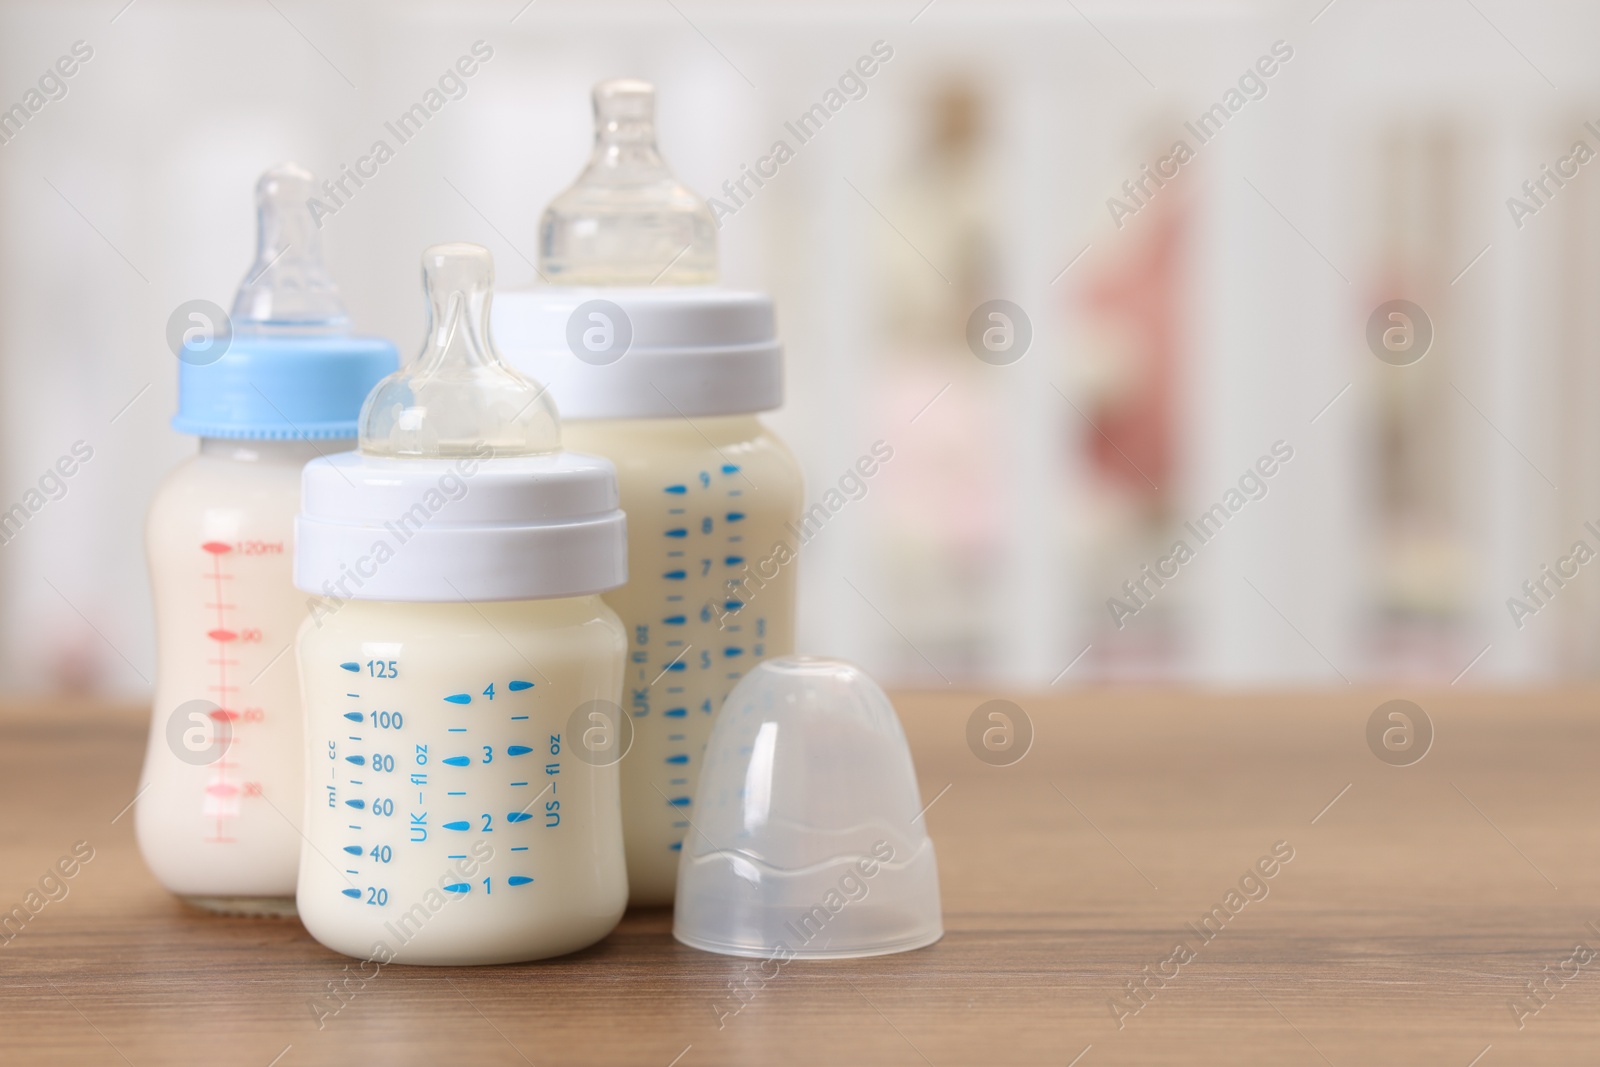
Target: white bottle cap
447 530
634 352
458 491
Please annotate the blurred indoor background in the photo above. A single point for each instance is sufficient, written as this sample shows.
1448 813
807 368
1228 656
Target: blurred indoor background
1176 338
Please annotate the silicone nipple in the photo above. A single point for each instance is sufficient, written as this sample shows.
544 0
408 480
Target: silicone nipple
458 398
627 220
288 284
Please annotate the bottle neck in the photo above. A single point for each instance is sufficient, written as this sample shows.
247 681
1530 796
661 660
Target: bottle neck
271 450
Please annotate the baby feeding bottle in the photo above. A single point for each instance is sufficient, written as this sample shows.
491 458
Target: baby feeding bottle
218 811
663 374
453 814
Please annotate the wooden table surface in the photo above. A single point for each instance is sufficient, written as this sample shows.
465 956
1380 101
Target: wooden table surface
1413 914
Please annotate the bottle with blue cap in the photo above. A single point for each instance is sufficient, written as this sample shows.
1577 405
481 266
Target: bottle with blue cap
462 677
282 381
664 373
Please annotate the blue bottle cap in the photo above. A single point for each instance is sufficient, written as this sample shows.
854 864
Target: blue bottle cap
290 367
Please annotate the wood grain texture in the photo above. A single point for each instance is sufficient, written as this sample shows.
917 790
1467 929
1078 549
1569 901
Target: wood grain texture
1413 912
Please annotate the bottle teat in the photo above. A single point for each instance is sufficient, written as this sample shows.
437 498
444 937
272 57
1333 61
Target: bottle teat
458 398
288 284
627 220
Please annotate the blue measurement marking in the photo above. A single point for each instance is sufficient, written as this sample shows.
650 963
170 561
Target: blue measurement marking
460 698
517 750
353 827
735 516
674 644
518 879
457 793
351 667
679 758
674 737
455 857
354 894
676 846
517 816
460 824
347 870
518 718
734 561
679 802
678 532
352 737
458 729
356 803
678 489
676 713
520 848
675 576
680 781
678 666
458 887
733 651
674 620
359 761
732 605
356 782
354 850
354 716
674 688
519 783
458 761
730 468
517 687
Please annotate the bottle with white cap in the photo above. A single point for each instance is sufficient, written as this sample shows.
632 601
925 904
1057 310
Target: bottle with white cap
278 383
459 662
664 374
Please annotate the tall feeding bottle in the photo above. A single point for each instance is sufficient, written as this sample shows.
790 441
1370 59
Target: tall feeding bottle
218 813
663 373
453 814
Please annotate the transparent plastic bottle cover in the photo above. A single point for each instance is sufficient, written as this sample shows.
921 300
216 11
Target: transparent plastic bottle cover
627 220
807 843
458 398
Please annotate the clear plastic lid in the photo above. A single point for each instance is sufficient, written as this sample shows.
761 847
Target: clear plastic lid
806 832
458 398
627 220
288 285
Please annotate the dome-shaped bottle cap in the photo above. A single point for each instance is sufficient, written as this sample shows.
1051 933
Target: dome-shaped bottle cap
627 220
458 398
805 838
288 368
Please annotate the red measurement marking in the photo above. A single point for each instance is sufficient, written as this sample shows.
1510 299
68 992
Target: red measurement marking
220 785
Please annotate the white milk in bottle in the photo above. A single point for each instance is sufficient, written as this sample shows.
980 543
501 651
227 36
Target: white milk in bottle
218 813
462 676
664 373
